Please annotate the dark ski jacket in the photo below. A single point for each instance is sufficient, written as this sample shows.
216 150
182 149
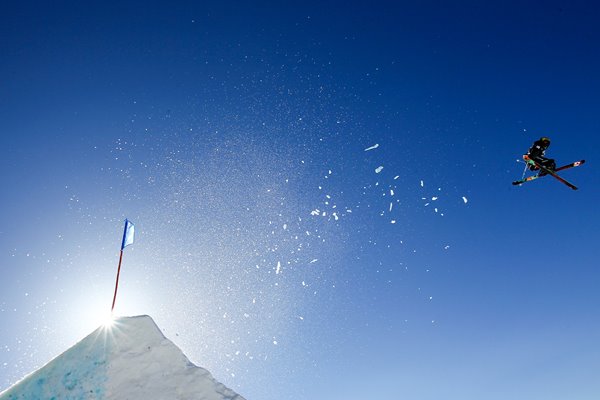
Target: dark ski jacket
537 149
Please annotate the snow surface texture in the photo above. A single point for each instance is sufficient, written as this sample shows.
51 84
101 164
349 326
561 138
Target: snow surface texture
131 360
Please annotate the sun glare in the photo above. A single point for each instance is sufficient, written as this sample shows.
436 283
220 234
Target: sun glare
107 321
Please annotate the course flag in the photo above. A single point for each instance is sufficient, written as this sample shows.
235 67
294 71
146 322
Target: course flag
128 234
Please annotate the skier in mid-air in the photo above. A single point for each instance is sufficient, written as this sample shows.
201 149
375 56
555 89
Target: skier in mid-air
536 161
536 153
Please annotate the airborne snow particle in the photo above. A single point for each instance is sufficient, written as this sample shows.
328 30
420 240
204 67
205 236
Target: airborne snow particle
278 270
422 184
378 169
465 199
376 145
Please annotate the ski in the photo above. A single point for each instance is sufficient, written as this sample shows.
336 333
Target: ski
528 179
534 177
558 178
549 172
573 164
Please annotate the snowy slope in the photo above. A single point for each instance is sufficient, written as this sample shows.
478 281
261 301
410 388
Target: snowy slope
131 360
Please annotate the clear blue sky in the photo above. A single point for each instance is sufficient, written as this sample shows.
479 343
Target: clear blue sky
268 247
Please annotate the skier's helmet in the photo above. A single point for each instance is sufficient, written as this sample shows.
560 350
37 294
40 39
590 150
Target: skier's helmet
545 140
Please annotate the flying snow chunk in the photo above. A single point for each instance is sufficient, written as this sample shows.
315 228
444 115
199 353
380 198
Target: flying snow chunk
378 169
376 145
465 199
278 270
422 183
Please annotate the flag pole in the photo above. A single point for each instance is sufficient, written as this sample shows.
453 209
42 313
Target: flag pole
124 243
117 282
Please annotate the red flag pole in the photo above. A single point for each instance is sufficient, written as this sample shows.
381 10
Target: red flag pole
117 282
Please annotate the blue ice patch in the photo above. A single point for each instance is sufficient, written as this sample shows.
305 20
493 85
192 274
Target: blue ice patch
78 374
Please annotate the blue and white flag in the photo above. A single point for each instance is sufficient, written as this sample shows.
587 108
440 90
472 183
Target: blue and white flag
128 234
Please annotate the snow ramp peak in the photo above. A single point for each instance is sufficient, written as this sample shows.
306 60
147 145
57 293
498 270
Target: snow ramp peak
131 360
